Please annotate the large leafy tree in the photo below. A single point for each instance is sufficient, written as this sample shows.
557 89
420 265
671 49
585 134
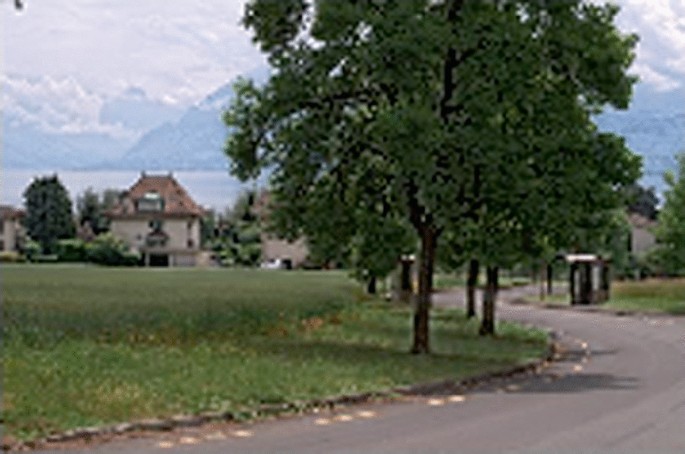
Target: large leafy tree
48 212
670 232
445 114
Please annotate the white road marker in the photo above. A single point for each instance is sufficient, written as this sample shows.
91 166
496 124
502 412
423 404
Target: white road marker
436 402
343 418
188 440
242 433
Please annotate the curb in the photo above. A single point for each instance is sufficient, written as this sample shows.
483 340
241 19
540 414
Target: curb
90 434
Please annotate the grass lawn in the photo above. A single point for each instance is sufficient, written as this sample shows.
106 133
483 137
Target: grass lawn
88 346
654 295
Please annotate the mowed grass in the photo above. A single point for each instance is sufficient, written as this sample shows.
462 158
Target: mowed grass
89 346
653 295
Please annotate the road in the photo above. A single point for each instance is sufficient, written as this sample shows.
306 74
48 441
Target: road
620 387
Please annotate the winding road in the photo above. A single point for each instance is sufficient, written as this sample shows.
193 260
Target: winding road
619 387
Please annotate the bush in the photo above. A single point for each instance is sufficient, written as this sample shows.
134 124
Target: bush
71 250
30 249
110 251
10 257
45 258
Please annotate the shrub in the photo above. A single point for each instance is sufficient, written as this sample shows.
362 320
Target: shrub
108 250
71 250
10 257
30 249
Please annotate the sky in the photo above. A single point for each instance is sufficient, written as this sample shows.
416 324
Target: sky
66 62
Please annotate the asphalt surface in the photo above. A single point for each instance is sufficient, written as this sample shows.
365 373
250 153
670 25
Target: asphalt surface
618 388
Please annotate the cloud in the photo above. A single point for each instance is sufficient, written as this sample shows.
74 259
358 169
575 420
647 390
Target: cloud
57 105
113 44
661 51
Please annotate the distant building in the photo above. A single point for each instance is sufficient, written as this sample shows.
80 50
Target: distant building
11 231
158 219
290 254
641 234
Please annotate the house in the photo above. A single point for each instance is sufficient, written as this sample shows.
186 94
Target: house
282 253
11 231
158 219
641 234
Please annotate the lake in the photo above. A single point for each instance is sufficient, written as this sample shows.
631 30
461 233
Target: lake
211 189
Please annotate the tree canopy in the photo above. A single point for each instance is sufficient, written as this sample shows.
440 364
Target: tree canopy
670 231
467 119
48 212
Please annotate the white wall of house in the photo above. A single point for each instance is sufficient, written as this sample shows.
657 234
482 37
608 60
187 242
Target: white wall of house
273 248
641 240
183 233
9 230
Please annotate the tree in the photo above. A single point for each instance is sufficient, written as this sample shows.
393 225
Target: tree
643 201
48 212
670 232
91 208
447 103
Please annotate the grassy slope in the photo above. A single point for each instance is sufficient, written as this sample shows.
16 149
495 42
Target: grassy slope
88 346
651 296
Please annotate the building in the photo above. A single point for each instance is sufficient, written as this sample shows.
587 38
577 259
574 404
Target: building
283 253
11 231
641 234
158 219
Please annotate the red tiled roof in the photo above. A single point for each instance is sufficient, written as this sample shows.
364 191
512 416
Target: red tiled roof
177 202
9 212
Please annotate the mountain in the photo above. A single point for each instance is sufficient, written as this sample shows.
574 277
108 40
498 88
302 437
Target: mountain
194 142
654 135
25 146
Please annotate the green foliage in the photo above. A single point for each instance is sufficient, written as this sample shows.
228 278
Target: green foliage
470 120
71 251
30 249
240 236
48 212
106 249
642 201
10 257
670 231
91 208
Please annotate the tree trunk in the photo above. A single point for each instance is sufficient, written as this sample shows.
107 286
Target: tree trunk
543 281
371 286
471 284
423 297
487 327
405 280
550 278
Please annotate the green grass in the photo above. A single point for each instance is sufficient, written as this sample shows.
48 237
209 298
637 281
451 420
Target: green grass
90 346
654 295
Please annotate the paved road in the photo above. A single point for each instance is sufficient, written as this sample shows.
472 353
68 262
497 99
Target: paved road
619 388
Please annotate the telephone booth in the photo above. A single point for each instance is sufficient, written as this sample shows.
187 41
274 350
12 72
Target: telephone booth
589 278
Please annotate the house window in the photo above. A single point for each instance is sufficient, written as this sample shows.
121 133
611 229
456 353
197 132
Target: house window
156 224
151 201
2 245
191 243
2 227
